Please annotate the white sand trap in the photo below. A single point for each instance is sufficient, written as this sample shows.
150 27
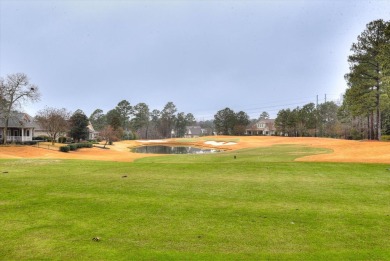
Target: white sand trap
151 141
219 143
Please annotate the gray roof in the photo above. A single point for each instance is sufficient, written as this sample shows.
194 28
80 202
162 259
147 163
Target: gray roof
269 123
194 130
18 120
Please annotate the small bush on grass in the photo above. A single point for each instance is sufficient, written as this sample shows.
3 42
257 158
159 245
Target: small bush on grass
33 142
73 146
88 145
64 148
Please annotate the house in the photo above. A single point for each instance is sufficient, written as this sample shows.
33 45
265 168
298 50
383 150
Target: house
193 132
20 127
40 131
92 134
262 127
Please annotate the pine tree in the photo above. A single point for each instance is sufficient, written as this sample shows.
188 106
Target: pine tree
366 76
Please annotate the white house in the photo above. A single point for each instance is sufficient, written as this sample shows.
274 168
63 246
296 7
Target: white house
20 127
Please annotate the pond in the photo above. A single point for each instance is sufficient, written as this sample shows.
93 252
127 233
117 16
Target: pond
160 149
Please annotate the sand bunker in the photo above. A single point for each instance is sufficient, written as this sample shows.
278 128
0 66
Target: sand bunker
343 150
219 143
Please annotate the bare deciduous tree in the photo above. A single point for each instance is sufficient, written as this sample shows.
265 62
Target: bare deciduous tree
109 134
54 121
14 91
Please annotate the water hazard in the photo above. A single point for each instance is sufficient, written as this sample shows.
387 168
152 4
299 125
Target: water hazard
160 149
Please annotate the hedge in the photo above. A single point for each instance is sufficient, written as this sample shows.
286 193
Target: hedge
34 142
84 145
64 148
75 146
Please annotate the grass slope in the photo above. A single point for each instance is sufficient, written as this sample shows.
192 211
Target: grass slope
260 205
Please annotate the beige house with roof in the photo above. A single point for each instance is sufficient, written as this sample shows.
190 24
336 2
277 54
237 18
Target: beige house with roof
39 131
264 127
92 134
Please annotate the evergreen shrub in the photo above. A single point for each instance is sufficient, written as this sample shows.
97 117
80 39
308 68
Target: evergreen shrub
65 148
73 146
84 145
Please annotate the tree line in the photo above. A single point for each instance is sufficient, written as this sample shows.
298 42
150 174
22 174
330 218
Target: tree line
309 120
140 122
124 122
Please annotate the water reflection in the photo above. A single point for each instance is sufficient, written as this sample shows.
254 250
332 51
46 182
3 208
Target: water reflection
172 150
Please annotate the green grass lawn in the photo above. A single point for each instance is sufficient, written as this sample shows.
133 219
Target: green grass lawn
261 205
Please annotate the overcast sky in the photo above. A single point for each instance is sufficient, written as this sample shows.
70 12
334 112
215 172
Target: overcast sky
202 55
